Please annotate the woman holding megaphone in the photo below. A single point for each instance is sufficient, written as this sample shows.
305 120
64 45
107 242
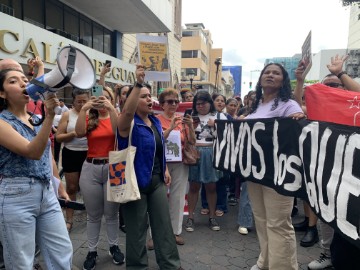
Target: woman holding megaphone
29 208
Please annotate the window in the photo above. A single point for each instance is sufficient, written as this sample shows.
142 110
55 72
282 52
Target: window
187 33
34 12
107 41
203 75
85 31
71 22
189 54
16 5
204 58
54 15
98 37
188 70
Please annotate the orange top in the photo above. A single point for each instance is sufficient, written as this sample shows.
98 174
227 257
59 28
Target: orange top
101 140
165 123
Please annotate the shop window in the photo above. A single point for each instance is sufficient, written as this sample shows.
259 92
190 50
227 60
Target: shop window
54 15
34 12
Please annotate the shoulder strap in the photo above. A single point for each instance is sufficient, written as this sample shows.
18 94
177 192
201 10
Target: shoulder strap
130 132
130 136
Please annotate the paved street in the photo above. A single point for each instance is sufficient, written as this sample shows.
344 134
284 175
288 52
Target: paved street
203 249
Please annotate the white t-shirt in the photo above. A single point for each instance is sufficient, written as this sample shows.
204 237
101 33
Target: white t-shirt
204 133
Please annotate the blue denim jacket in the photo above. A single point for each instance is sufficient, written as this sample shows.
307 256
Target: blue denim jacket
144 141
13 165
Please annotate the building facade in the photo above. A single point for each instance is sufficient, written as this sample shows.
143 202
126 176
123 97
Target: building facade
320 61
103 30
198 56
289 63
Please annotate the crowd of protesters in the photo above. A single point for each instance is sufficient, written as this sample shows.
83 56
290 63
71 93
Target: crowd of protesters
84 135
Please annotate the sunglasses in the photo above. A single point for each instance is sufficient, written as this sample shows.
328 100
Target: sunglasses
171 101
334 85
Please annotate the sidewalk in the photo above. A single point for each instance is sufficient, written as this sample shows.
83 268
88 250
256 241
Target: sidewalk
203 249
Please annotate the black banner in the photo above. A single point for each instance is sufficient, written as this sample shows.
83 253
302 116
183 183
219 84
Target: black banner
316 161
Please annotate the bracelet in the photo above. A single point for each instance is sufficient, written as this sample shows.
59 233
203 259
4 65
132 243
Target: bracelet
139 85
341 73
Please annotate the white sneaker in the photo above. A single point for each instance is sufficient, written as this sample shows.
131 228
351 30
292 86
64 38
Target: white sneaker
243 230
323 262
255 267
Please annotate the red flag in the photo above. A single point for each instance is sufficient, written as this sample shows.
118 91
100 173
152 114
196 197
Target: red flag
334 105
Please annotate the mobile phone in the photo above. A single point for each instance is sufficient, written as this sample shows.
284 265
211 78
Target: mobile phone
97 90
71 204
196 119
188 112
108 63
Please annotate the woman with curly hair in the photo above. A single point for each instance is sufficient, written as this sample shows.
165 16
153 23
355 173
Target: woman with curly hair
99 126
272 211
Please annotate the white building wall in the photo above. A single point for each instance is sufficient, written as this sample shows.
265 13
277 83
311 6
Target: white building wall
320 61
354 28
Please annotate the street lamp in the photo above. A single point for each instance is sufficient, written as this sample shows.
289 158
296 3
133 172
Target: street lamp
217 63
191 75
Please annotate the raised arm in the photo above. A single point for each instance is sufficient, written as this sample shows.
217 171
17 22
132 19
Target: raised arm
300 79
34 149
105 69
336 68
127 115
40 66
80 127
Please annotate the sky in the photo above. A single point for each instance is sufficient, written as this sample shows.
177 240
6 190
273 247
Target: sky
250 31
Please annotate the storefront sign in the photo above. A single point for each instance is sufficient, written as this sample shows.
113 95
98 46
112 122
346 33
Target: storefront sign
20 41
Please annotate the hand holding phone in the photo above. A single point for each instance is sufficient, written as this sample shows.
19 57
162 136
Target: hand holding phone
97 90
71 204
188 112
196 119
108 63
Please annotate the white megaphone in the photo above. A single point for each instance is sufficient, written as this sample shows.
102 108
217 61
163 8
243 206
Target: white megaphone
73 68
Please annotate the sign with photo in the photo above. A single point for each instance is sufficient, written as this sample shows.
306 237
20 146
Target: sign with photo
173 151
153 55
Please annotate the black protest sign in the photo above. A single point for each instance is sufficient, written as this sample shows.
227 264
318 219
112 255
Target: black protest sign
316 161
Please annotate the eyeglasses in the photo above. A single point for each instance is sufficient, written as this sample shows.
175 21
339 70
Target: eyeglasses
334 85
171 101
201 104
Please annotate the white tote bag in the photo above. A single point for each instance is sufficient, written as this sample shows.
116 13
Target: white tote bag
122 184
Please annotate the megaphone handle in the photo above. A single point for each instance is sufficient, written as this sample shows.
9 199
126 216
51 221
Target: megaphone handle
46 95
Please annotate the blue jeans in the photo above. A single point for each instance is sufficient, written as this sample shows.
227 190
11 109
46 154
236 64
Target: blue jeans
245 215
221 202
29 209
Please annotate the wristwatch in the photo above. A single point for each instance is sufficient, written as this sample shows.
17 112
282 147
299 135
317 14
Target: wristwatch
139 85
341 73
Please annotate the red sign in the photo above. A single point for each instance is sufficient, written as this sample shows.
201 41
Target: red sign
181 109
334 105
